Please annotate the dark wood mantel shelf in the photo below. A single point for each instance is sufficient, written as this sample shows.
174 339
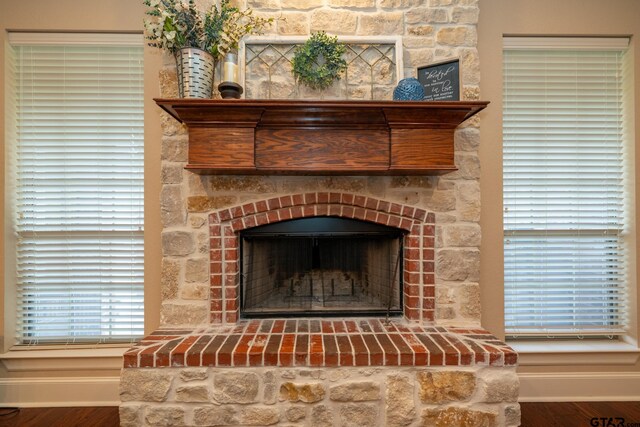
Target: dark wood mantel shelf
307 137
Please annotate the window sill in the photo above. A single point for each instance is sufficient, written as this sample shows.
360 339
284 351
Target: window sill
565 352
63 359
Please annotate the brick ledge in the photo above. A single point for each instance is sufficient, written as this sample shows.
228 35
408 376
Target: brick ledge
320 343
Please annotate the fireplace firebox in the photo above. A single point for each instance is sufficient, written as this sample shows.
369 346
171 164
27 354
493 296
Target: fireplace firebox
321 266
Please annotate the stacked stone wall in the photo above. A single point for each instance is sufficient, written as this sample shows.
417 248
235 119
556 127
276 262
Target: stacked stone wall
431 30
374 396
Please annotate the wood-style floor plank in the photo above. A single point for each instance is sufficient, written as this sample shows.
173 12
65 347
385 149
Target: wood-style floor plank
106 416
580 414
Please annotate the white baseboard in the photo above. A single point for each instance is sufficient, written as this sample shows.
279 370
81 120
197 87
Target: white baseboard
103 391
59 392
579 386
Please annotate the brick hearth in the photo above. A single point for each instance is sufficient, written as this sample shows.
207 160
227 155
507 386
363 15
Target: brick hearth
320 343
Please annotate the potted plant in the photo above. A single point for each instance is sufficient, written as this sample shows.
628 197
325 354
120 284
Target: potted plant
198 39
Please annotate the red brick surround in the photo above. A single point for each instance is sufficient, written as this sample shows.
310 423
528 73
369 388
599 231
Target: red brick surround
316 343
419 289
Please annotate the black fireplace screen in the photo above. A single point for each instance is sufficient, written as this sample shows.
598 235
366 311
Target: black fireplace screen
321 267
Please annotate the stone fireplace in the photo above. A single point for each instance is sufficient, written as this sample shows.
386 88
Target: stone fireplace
270 317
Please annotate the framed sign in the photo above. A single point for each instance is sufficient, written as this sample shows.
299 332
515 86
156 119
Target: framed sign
441 81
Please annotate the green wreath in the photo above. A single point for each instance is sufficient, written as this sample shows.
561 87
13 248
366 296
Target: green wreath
319 62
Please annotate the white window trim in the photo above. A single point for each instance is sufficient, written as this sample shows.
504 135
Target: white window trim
103 358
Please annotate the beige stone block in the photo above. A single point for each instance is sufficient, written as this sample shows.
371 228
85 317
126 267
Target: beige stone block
183 314
455 416
420 31
321 416
468 2
419 57
355 392
197 270
171 173
358 415
424 15
464 15
468 164
382 23
192 394
457 36
295 413
445 184
196 184
470 64
194 291
458 264
236 387
377 185
165 416
461 235
500 385
445 295
400 4
470 301
270 396
215 416
169 278
400 404
174 148
442 201
423 182
467 139
177 243
194 374
168 82
197 221
334 21
294 24
405 197
356 4
172 211
449 386
207 204
511 415
240 184
202 241
144 385
445 313
468 194
257 416
130 415
171 127
471 93
301 4
308 393
342 183
265 4
437 3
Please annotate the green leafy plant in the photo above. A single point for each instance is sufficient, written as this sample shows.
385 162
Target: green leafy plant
319 62
173 25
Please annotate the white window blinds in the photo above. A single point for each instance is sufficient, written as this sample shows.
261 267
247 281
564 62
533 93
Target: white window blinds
77 173
564 187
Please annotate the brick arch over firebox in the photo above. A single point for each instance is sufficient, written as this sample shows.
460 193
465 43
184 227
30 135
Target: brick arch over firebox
225 224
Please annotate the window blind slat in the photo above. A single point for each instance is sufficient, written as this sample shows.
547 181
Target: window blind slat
564 250
79 192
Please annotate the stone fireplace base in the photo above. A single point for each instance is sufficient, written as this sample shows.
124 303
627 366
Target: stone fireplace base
313 372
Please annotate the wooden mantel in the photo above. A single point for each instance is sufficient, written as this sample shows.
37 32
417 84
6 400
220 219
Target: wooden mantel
307 137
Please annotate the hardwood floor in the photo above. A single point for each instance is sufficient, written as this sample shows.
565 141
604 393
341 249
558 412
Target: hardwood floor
61 417
581 414
564 414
